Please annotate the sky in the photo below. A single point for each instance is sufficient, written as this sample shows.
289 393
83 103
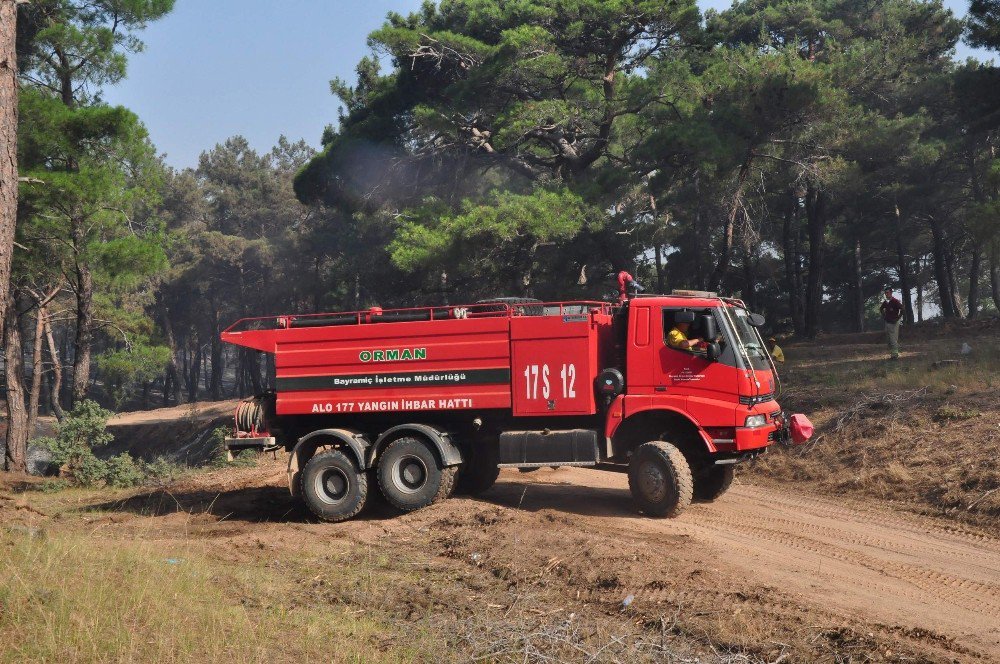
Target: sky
213 69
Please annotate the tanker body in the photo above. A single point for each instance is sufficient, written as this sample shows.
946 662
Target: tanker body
423 401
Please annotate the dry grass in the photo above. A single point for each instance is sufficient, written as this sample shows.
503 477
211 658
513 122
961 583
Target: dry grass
918 431
75 597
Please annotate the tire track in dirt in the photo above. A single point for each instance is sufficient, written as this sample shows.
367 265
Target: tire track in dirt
856 558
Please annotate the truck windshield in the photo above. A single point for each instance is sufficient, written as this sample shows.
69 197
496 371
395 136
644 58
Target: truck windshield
747 336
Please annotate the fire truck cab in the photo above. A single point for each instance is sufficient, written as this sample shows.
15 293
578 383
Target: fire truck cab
423 401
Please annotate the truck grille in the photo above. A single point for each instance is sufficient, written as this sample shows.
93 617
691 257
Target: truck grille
746 401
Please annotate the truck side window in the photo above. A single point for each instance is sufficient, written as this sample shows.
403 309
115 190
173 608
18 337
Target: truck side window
669 320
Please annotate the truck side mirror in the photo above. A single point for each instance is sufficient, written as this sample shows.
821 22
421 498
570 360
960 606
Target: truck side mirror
713 352
757 320
709 331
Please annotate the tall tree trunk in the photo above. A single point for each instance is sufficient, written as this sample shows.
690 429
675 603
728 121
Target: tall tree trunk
8 144
251 363
974 266
789 233
56 383
16 454
800 291
949 262
903 268
84 317
658 251
657 248
728 232
193 371
858 287
919 279
700 239
816 220
995 273
42 301
215 382
749 289
35 392
941 269
171 381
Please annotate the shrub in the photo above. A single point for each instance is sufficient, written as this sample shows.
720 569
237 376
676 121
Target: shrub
53 486
77 436
122 472
162 470
88 470
84 429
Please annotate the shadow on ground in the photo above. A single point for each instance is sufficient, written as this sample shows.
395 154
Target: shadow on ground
561 497
275 504
248 504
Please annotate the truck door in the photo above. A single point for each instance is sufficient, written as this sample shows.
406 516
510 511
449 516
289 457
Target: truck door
687 372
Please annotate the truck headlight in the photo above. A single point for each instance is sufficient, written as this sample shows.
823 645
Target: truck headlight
756 421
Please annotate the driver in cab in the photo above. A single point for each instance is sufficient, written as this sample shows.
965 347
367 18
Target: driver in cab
677 337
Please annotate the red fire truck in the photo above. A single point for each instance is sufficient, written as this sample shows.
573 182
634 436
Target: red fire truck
426 400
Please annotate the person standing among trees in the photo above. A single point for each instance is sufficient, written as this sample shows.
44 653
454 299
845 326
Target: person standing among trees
892 313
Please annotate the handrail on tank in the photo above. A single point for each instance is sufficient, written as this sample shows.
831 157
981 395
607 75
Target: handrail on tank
442 312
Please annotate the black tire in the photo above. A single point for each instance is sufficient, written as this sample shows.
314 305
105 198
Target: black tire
479 472
660 479
449 477
409 475
713 482
333 487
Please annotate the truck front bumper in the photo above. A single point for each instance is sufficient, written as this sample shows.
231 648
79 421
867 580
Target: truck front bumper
757 437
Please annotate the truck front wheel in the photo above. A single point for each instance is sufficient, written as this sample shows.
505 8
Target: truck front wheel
660 479
713 482
333 487
409 476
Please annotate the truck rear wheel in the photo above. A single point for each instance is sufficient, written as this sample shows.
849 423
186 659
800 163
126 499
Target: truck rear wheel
660 479
409 476
480 472
333 487
714 482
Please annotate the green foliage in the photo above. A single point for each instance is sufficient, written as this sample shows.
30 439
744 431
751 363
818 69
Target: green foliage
88 470
484 240
984 24
85 42
162 471
53 486
126 369
83 429
122 471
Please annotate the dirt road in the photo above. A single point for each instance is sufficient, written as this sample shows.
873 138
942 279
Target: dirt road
855 559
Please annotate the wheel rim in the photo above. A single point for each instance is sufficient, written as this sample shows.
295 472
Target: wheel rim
409 474
653 482
332 485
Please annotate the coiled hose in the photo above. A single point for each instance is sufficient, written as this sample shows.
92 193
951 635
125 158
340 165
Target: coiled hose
250 416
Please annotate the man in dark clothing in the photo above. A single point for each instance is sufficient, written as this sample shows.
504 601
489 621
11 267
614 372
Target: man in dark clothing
892 314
